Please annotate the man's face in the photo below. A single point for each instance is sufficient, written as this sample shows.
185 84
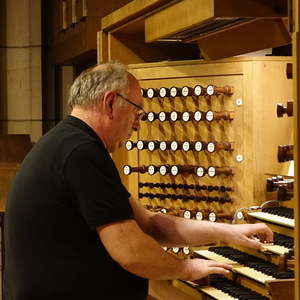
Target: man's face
128 114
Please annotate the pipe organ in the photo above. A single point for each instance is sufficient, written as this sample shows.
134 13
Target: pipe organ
216 145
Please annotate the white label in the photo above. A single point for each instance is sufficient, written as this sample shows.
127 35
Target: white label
185 116
163 211
186 250
150 93
197 116
140 145
199 216
238 102
187 214
211 147
162 92
186 146
163 146
211 171
239 158
212 217
128 145
200 171
151 170
174 170
210 90
173 92
151 146
209 115
165 248
175 250
197 90
174 145
239 215
163 170
174 116
185 91
126 170
162 116
198 146
150 116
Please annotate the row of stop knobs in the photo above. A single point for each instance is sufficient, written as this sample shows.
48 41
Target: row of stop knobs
176 145
187 116
174 170
195 214
184 186
182 197
186 91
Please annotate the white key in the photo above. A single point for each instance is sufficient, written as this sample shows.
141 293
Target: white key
217 294
273 218
253 274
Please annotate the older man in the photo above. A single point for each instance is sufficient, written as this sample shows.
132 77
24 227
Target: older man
72 229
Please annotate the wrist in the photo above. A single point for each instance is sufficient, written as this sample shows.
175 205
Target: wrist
220 231
187 269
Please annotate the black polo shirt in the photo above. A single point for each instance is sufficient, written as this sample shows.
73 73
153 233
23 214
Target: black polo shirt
66 187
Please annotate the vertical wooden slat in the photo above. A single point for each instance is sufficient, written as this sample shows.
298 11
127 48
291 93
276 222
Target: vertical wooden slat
296 78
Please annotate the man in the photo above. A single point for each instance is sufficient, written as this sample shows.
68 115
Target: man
72 230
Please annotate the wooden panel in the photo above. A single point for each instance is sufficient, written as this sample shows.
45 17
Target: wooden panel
178 17
131 11
183 15
268 34
131 48
7 172
14 147
260 83
164 290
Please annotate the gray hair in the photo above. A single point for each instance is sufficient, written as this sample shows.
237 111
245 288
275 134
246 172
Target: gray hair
93 83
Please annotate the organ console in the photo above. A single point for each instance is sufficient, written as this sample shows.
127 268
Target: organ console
189 157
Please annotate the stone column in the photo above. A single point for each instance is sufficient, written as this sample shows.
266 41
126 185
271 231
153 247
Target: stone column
20 85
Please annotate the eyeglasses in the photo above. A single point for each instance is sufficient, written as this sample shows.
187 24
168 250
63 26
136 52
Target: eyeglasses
141 113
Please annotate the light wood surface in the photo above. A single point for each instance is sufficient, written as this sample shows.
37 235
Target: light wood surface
260 84
132 10
184 15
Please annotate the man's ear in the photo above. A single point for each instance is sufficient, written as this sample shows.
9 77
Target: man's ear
108 103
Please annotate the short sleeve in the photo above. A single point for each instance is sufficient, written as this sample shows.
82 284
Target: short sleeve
95 185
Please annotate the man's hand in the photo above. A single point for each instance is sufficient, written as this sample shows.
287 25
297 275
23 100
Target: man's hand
200 268
244 234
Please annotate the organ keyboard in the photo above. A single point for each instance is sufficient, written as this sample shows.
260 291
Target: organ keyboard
283 216
245 264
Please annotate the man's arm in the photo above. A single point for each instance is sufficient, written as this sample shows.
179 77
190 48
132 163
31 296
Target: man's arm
140 254
175 231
